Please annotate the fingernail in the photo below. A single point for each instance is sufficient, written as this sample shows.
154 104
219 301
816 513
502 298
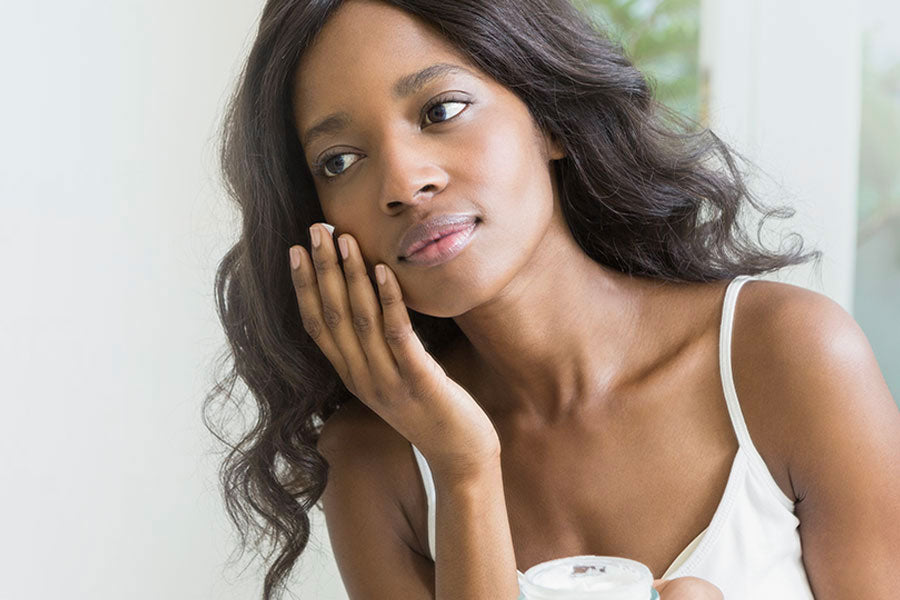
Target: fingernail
314 235
380 274
329 227
295 258
342 242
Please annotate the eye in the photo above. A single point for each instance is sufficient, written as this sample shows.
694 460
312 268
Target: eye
337 161
435 109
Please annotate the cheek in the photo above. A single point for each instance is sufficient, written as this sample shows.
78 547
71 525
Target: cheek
498 157
508 175
502 155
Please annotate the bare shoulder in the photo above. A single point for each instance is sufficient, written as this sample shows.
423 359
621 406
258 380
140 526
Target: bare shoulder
353 428
806 376
810 376
777 312
364 511
793 336
357 442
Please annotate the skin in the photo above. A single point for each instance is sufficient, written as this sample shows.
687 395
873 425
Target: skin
573 366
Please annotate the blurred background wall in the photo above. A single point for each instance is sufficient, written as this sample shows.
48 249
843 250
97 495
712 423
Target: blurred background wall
114 219
809 92
112 223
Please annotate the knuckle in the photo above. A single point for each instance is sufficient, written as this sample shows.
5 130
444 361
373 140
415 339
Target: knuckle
380 397
331 316
395 395
395 335
355 275
363 324
312 326
389 298
421 387
322 263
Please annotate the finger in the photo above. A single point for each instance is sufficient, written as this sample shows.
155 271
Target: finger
307 291
413 361
336 311
367 319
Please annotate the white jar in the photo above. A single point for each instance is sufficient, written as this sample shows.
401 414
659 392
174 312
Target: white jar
588 577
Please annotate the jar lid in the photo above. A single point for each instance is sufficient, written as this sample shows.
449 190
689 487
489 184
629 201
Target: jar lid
588 577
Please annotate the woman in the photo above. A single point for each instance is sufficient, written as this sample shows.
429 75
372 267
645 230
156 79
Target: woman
567 379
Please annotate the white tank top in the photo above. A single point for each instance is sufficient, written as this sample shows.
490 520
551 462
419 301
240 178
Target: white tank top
751 547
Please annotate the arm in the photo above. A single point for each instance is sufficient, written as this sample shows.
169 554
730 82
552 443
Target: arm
376 549
372 540
844 455
473 547
372 345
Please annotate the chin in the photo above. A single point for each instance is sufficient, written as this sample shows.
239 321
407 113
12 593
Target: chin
439 304
473 284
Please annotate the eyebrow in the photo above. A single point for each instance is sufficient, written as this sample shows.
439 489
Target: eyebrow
403 88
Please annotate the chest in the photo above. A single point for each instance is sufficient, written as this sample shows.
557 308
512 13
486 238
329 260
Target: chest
641 478
612 499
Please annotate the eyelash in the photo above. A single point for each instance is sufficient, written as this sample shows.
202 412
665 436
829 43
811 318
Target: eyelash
319 167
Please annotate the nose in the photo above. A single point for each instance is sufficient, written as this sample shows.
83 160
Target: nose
411 173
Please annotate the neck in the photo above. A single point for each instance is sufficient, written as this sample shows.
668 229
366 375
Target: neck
562 334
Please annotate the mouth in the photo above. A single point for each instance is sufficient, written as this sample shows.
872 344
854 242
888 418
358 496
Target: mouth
444 247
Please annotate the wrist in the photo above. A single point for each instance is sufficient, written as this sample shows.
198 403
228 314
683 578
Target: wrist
467 471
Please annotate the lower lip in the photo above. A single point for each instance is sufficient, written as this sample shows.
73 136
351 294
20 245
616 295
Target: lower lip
442 250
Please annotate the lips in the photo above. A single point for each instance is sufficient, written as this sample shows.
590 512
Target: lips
432 229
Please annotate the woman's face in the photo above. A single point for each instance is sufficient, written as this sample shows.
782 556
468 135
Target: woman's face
413 148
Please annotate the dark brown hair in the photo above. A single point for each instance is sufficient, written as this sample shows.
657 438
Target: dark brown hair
643 190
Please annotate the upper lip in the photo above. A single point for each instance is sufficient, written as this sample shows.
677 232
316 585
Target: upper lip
432 228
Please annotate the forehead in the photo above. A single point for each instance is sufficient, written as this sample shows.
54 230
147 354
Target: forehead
361 51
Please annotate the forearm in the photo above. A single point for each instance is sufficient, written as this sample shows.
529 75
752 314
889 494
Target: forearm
474 551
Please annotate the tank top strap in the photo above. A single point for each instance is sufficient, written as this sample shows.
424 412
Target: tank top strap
726 327
428 480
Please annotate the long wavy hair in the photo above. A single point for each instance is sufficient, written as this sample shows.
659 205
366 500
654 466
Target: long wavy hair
644 191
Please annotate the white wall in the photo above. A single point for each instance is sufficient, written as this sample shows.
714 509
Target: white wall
784 89
112 222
